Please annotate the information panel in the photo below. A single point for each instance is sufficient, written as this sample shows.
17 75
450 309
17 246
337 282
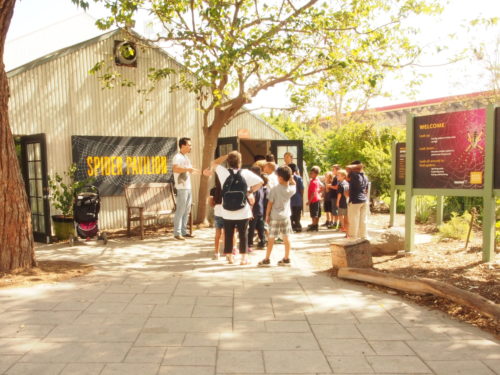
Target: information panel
497 149
118 161
400 163
449 150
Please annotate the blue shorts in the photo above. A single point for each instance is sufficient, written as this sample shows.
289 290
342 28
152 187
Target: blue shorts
218 222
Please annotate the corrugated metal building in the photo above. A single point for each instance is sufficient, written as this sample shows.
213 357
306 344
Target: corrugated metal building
55 95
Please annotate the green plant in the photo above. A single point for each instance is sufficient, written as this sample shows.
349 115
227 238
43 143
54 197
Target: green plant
425 206
457 227
62 193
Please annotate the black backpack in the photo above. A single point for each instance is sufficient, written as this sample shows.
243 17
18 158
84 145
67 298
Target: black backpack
234 191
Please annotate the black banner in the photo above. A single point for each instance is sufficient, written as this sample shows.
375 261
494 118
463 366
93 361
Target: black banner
400 163
114 162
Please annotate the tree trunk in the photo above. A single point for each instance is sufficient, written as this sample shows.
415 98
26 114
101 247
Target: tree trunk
16 237
423 286
211 136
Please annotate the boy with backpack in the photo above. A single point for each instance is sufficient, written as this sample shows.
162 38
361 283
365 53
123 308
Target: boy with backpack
343 189
278 215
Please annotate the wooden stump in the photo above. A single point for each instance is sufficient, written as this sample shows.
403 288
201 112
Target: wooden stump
351 253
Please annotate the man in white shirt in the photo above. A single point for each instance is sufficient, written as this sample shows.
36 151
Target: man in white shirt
183 169
236 219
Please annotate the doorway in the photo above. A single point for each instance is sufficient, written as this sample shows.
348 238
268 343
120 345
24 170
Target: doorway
32 155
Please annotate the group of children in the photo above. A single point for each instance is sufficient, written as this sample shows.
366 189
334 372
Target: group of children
277 204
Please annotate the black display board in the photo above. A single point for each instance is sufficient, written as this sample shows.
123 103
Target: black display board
449 150
114 162
400 163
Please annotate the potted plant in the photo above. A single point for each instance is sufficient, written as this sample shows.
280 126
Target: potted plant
63 190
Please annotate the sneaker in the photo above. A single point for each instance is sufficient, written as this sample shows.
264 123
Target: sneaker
216 256
264 263
312 228
261 245
284 262
179 238
326 223
188 235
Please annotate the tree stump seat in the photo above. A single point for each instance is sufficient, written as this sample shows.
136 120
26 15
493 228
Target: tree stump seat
351 253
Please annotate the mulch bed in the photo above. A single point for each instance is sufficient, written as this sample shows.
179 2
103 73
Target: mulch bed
445 261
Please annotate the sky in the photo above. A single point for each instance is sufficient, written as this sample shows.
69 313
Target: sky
446 80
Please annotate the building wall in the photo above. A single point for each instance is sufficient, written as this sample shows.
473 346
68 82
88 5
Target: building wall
60 98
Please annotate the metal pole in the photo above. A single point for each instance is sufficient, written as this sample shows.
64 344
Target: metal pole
439 210
409 198
394 192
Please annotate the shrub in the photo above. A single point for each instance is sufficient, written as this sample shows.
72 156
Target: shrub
425 207
457 227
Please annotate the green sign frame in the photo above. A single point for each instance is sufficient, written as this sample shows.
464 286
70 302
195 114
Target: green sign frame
488 193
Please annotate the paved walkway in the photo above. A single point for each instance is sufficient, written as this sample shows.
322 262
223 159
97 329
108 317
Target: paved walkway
161 307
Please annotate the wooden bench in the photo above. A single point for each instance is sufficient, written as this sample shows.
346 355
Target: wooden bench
152 200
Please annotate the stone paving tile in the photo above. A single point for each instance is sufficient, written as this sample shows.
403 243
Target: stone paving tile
287 362
115 297
107 307
235 361
174 311
201 339
455 350
146 354
350 365
190 356
191 324
155 337
187 370
126 288
330 318
287 326
433 333
33 306
7 360
383 331
40 317
151 299
267 341
93 333
130 369
176 300
474 367
22 330
336 331
249 326
215 301
14 346
398 364
77 352
35 369
71 306
345 347
82 369
493 364
204 311
391 348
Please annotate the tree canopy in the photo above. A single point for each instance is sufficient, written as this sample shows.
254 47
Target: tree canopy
231 50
